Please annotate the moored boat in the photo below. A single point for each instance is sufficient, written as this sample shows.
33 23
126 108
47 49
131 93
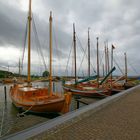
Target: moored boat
38 99
80 88
87 91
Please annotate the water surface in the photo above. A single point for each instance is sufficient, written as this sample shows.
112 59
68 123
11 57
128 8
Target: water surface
10 122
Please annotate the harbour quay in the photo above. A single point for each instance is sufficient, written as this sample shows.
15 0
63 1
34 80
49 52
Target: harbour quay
114 118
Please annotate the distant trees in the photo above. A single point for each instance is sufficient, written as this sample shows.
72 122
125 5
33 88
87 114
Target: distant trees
45 74
5 74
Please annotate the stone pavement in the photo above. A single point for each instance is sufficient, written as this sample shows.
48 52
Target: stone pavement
119 120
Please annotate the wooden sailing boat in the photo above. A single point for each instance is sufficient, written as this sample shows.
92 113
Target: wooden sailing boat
86 89
36 99
127 84
110 82
116 85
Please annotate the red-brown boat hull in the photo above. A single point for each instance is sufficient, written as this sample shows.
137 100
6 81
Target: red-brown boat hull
98 93
38 100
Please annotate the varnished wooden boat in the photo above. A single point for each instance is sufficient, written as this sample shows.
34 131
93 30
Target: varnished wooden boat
38 99
35 99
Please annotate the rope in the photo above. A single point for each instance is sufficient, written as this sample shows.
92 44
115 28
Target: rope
118 67
84 51
25 39
94 51
101 58
23 113
38 42
18 115
2 121
82 60
133 68
57 52
85 54
68 59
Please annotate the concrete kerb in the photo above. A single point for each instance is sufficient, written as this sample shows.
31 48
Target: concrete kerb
68 118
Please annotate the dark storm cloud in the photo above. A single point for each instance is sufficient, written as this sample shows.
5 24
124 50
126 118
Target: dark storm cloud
12 27
117 21
12 24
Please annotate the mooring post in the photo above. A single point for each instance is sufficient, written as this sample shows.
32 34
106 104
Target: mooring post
77 101
5 93
77 104
53 87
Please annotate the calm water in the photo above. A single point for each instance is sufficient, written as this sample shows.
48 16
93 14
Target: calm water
10 122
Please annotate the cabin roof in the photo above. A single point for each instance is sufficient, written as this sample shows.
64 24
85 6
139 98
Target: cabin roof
27 89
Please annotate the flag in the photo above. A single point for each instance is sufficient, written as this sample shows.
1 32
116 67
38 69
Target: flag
113 46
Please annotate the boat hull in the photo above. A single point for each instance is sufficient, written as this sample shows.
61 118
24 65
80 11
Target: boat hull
98 93
38 100
115 91
43 108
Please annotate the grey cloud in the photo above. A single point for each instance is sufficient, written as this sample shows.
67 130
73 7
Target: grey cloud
115 21
11 25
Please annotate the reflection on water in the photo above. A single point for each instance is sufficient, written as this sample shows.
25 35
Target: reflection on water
11 123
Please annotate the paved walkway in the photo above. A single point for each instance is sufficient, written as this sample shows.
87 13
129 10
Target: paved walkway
119 120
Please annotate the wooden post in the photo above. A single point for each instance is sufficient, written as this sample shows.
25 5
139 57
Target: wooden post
78 104
5 93
53 86
77 101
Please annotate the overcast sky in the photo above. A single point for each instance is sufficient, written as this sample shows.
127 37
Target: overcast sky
117 21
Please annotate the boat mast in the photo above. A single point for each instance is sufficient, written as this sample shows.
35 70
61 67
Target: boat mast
19 68
103 71
105 59
74 45
112 48
50 76
88 53
97 62
29 43
108 67
125 67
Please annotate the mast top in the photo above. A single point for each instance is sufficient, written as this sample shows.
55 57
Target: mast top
30 8
88 32
50 16
74 27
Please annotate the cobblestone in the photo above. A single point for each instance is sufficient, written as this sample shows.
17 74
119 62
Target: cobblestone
119 120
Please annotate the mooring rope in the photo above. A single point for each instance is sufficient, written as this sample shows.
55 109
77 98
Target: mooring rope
23 113
2 120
